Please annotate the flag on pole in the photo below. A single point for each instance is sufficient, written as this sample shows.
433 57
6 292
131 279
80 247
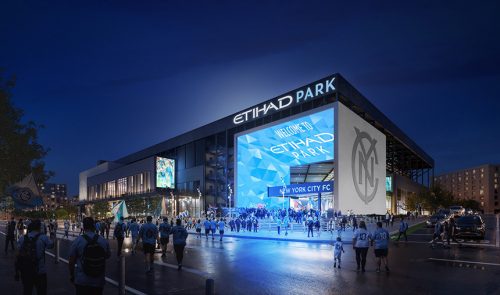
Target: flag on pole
25 193
119 211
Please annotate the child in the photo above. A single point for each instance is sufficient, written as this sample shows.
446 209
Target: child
338 248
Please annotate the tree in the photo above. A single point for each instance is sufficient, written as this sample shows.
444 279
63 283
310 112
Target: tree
20 151
436 198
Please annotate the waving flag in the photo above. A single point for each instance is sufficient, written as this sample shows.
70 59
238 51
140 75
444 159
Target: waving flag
26 194
120 210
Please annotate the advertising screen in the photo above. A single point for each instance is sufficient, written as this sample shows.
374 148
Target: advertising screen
264 156
165 173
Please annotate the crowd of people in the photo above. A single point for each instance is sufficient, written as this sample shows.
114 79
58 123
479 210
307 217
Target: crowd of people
89 251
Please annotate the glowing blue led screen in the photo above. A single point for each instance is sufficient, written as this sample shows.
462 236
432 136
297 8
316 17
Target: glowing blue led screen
165 173
265 156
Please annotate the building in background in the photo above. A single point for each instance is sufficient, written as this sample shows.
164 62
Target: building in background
479 183
330 146
55 192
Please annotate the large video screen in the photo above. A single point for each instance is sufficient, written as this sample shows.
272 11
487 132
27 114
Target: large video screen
165 173
265 156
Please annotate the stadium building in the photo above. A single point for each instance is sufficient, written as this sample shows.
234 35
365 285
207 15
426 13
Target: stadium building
322 146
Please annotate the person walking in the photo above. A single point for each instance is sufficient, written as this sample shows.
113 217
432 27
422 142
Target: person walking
179 236
20 228
238 224
361 243
30 259
107 227
198 229
338 249
231 224
149 235
310 227
381 244
89 252
10 234
354 223
134 233
119 235
387 219
207 226
66 229
392 219
165 229
437 236
403 227
278 223
213 227
221 226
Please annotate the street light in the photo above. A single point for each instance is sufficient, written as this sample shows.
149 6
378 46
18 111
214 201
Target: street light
199 199
229 197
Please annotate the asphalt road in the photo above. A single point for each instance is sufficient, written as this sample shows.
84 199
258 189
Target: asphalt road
247 266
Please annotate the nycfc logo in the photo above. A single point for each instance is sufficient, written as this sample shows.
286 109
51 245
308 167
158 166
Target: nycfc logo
24 194
364 159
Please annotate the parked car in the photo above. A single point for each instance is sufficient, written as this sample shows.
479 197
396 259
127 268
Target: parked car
431 222
457 210
470 226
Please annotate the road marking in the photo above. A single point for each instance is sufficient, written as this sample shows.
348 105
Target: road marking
109 280
464 261
191 270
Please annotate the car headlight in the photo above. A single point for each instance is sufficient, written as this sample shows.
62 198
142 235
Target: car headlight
458 227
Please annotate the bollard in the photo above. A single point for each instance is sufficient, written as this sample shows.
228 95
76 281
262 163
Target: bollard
56 257
121 281
210 287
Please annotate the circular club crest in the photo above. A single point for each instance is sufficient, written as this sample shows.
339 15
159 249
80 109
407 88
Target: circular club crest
24 195
363 162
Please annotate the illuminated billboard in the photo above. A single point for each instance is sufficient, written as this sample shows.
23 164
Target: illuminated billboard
264 156
165 173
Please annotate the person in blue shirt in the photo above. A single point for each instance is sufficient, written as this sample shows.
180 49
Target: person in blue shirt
380 239
84 283
42 242
338 249
149 235
213 227
403 227
221 226
119 235
179 236
134 232
165 229
207 226
361 243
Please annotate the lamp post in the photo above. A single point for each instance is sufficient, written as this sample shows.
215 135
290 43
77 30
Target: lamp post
199 200
229 197
173 204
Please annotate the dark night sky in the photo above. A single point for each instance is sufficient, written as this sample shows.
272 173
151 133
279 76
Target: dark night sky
112 77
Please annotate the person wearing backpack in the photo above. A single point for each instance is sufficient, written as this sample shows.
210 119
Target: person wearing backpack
119 235
149 235
165 229
10 234
30 260
179 236
89 252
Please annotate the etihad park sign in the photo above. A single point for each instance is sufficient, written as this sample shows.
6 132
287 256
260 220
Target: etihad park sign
309 92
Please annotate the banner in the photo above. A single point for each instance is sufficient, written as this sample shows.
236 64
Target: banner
301 189
25 193
119 211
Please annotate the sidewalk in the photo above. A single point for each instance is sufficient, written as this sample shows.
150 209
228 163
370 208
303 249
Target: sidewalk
57 276
299 235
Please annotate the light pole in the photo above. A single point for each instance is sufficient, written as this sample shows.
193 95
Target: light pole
229 197
173 204
199 200
283 193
